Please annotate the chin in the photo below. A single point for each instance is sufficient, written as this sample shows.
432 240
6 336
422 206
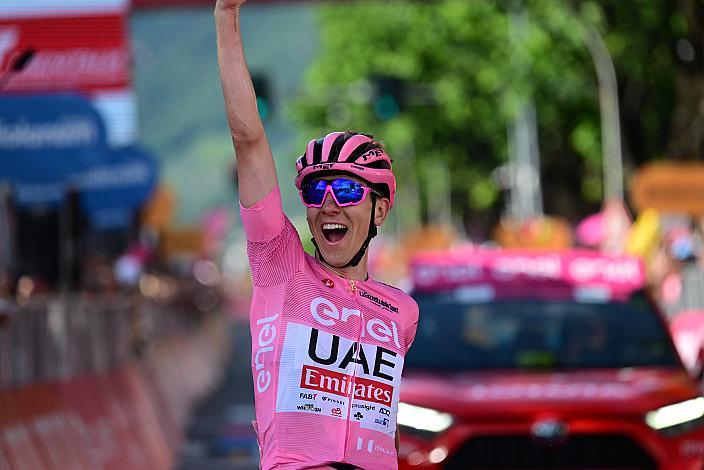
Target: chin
336 260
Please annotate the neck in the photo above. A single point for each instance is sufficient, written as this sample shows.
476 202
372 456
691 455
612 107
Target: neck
357 273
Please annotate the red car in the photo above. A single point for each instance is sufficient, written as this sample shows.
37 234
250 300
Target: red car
527 360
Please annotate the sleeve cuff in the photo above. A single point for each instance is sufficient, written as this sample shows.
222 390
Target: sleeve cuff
265 219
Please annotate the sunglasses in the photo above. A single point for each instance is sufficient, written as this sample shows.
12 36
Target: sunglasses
344 191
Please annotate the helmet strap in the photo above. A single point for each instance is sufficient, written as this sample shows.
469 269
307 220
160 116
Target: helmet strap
360 254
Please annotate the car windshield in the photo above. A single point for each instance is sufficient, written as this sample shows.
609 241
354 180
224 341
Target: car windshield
459 336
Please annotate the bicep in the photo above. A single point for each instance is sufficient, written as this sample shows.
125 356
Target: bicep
256 173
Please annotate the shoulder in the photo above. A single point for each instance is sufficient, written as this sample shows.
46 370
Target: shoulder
407 306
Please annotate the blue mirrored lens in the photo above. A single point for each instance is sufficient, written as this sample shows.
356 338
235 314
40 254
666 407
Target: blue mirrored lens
347 191
314 191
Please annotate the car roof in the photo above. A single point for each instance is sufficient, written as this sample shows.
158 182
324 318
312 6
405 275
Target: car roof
488 274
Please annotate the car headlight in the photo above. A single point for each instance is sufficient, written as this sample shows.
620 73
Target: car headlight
678 417
423 419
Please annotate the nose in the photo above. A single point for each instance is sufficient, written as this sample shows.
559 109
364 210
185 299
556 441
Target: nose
329 204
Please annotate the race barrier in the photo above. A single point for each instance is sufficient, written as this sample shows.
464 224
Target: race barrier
120 411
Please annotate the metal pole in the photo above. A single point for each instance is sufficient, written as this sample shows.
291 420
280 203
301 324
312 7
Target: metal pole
525 191
610 121
438 193
412 218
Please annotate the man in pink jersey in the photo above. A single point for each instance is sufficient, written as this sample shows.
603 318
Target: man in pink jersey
328 342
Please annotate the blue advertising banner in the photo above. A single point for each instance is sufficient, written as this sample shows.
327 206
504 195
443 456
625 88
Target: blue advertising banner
112 190
45 141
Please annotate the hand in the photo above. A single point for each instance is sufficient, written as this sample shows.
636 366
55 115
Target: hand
232 5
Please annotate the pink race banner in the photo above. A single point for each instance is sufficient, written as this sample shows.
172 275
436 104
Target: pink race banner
497 269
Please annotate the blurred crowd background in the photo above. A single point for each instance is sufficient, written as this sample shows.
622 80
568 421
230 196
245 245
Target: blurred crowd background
534 124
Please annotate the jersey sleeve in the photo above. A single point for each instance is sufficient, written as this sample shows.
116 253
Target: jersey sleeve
273 246
412 325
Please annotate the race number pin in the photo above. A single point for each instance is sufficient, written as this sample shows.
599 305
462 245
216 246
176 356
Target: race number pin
329 283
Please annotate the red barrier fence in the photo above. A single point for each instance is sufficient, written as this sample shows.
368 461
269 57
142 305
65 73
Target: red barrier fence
81 401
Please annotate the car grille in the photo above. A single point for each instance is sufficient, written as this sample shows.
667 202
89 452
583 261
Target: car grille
524 452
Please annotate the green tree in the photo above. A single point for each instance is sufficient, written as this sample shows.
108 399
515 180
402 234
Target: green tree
466 76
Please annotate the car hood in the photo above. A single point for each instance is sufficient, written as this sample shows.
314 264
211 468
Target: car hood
510 392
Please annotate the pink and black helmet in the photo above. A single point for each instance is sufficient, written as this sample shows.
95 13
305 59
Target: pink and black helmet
351 153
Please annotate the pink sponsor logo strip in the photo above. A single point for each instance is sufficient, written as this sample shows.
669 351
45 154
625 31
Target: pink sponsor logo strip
621 275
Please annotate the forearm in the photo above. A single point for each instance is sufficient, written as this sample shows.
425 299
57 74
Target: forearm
240 99
256 173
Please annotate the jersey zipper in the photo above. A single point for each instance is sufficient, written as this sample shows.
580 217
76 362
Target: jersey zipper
352 287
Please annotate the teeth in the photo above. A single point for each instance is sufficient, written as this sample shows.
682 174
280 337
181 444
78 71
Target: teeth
333 226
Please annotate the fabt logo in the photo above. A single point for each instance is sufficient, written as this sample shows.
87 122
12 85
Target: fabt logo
326 313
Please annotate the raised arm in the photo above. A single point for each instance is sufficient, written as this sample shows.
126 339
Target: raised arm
256 173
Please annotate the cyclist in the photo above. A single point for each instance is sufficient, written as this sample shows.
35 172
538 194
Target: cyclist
328 342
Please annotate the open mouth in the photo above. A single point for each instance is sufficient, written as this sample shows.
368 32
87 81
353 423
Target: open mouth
333 233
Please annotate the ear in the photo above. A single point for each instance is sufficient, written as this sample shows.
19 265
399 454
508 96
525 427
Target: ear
381 211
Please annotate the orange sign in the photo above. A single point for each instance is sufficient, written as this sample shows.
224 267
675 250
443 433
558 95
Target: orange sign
538 232
160 209
670 187
188 241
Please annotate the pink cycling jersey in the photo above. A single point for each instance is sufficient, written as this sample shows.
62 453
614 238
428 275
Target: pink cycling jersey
327 353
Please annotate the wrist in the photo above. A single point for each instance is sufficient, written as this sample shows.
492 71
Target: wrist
227 19
222 11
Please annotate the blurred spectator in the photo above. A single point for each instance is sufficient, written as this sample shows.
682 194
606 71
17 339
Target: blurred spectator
699 239
684 244
6 240
7 307
8 310
130 266
681 289
128 269
97 274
